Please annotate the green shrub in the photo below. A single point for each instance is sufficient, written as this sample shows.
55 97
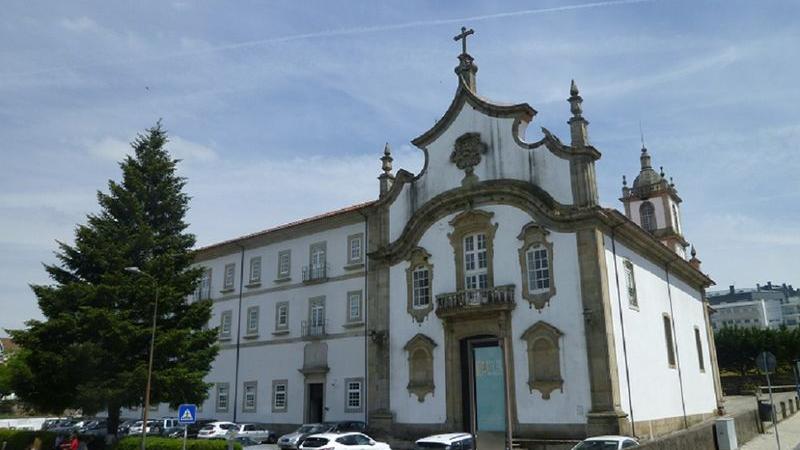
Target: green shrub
160 443
23 439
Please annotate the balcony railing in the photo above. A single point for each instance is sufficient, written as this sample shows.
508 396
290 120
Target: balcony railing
475 300
315 273
313 329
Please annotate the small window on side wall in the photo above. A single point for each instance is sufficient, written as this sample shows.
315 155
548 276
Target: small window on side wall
699 343
630 284
669 340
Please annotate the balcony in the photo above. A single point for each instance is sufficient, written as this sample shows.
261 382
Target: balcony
314 329
469 302
315 274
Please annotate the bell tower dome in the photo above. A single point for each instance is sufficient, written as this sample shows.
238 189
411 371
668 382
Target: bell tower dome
653 203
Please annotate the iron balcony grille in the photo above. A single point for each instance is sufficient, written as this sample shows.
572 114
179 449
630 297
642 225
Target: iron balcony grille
315 273
475 299
316 329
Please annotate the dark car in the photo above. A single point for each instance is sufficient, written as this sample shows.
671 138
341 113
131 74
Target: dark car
295 438
191 430
97 427
125 426
347 426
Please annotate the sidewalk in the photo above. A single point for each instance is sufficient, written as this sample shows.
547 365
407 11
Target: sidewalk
789 431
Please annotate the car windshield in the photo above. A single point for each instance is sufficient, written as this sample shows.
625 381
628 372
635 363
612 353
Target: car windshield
227 426
429 445
314 442
307 429
597 445
207 428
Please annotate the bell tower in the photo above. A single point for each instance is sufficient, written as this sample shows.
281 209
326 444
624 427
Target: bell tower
653 203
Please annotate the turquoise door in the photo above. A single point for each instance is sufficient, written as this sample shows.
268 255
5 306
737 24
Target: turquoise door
490 389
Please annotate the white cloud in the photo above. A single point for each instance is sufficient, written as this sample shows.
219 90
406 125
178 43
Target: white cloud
113 149
79 24
110 148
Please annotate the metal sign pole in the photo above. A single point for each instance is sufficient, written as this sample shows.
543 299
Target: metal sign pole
772 403
185 433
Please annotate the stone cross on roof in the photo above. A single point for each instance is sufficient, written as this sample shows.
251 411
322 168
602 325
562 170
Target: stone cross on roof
463 38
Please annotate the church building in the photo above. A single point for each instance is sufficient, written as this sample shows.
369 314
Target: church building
490 293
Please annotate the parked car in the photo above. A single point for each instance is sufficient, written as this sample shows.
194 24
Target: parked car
98 427
295 438
454 441
257 432
136 428
346 426
167 425
50 423
191 430
64 426
249 444
342 441
607 443
216 430
125 426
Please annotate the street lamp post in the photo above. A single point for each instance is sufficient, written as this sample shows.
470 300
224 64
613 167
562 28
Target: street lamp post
139 271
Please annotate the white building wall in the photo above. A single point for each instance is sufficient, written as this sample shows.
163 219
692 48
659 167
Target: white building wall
564 312
646 342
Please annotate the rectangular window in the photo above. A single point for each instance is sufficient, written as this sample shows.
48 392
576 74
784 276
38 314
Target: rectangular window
223 389
699 344
230 271
279 396
284 263
204 287
252 320
422 287
538 269
316 316
476 262
317 261
249 396
669 341
282 316
354 306
225 320
355 248
353 388
630 284
255 269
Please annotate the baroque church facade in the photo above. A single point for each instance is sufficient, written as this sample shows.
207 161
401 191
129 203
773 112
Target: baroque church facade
488 293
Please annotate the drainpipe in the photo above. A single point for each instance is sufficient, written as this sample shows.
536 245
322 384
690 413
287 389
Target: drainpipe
365 250
675 343
622 328
238 336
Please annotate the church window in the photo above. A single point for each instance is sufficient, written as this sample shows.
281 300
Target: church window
536 264
475 262
647 213
669 340
230 272
419 284
420 366
699 343
544 358
630 284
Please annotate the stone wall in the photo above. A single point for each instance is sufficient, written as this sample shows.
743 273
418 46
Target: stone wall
703 436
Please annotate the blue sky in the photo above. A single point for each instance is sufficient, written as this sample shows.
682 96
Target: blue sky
280 109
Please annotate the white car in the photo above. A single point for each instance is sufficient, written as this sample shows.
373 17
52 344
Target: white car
449 441
343 441
256 431
216 430
606 443
136 428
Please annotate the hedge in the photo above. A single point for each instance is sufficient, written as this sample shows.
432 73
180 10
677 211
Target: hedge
161 443
23 439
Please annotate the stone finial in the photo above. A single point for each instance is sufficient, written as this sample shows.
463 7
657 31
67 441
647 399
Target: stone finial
645 159
386 160
466 68
671 183
661 171
694 261
624 181
577 124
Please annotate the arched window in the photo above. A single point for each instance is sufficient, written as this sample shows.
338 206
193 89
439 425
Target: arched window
647 213
536 262
419 279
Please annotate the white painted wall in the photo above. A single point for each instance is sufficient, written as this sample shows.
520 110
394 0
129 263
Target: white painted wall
646 342
564 312
505 159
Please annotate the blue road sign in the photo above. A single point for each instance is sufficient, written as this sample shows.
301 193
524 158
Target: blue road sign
187 414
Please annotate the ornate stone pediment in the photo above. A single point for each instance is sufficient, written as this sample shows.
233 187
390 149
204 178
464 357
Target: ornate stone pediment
466 154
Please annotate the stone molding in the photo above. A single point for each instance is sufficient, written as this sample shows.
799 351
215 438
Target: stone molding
550 334
420 343
467 153
531 235
468 222
419 258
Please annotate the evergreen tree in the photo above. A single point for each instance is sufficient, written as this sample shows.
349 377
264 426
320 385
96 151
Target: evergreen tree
91 351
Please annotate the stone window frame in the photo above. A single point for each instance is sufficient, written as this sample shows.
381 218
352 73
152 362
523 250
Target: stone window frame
275 407
669 340
252 330
466 223
227 389
278 325
348 315
284 275
318 300
630 283
254 276
227 314
358 237
347 391
699 343
205 278
543 330
321 245
228 277
254 385
535 235
420 388
419 258
653 226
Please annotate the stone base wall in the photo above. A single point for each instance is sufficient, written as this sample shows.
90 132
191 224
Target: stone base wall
703 436
651 429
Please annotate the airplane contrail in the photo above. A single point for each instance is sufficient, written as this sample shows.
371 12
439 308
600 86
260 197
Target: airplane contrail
338 32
